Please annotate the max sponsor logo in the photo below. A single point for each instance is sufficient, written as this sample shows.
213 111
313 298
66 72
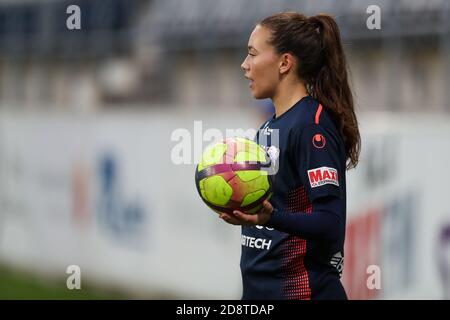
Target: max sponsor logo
323 175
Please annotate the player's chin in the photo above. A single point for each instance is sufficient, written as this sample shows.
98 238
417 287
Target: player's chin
259 94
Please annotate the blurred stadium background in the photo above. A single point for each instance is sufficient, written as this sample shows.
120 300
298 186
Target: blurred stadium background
86 124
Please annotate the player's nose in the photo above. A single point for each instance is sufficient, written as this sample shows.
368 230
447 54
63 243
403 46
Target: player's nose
244 66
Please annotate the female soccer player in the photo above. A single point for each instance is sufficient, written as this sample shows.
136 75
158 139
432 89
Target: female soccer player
293 248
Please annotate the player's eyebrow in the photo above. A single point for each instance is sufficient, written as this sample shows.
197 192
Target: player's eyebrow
251 47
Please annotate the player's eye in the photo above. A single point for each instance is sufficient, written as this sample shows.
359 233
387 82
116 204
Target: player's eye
251 54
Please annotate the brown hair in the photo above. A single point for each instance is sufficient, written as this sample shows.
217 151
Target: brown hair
316 43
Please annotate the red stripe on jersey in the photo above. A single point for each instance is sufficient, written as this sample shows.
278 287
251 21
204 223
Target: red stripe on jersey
319 110
296 282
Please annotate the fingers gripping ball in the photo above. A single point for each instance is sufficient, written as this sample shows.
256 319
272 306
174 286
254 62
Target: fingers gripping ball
231 176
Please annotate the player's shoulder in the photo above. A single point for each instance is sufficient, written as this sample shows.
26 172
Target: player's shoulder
313 121
313 116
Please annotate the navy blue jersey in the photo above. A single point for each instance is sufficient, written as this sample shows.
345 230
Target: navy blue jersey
298 254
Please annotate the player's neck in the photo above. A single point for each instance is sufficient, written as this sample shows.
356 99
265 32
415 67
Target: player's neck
287 96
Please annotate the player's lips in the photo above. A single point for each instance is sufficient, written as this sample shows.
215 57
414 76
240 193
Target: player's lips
251 81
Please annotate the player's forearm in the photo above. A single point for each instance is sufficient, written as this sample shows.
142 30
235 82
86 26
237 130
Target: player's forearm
318 225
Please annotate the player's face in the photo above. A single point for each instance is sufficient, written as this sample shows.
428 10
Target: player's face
261 66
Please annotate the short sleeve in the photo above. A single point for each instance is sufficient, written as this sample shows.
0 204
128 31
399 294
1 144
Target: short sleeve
317 157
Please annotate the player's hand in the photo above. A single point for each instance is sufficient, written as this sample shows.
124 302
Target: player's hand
241 218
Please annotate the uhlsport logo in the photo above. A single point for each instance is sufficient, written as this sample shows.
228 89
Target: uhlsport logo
323 175
319 141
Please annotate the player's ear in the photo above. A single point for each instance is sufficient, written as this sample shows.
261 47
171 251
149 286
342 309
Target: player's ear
287 62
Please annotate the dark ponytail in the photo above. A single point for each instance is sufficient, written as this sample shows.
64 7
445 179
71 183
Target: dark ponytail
316 43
